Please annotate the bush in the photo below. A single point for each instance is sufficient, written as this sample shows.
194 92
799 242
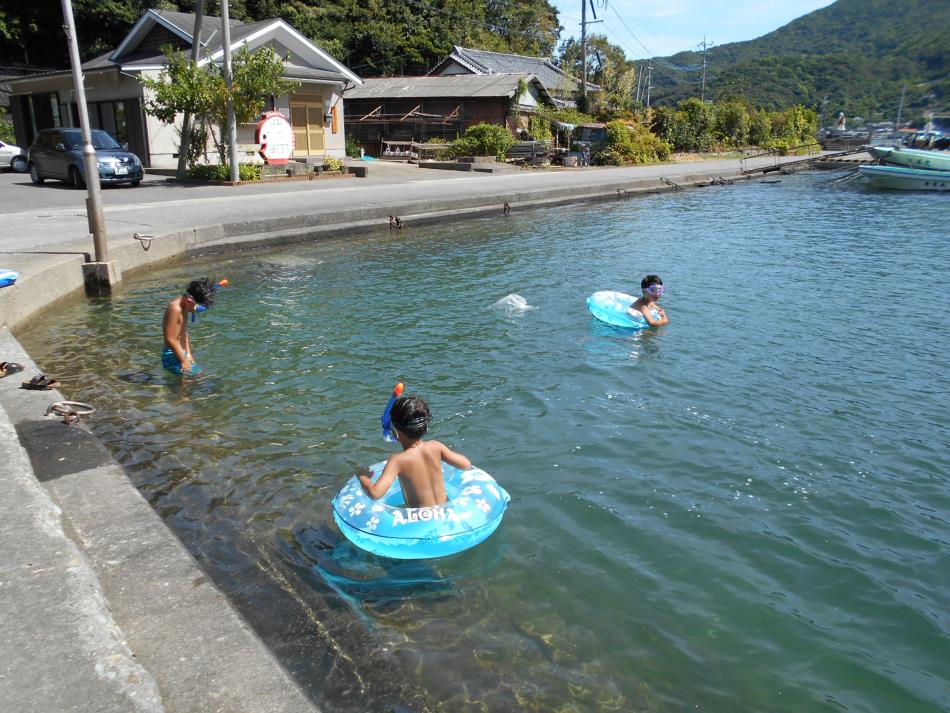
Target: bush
6 128
221 172
352 147
444 154
630 143
332 164
483 140
786 147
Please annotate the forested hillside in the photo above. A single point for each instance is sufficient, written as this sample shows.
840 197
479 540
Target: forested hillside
372 37
858 53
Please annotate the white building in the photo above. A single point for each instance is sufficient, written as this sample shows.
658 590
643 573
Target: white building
116 98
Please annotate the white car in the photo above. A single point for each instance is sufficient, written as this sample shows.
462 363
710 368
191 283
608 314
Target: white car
12 156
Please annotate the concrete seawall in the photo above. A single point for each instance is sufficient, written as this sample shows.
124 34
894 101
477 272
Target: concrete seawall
103 607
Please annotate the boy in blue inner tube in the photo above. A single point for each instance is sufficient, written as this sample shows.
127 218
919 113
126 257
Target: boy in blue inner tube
419 466
177 356
646 306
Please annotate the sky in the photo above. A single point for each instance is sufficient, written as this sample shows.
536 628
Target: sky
651 28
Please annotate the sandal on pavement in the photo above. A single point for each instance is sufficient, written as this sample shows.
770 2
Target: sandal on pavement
40 383
9 367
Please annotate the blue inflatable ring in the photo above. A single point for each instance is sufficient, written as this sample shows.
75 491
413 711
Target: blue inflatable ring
476 504
8 277
614 308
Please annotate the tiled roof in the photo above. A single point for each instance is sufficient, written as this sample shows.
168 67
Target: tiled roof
450 86
212 37
210 26
484 62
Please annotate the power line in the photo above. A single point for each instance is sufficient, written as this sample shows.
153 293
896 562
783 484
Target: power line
650 53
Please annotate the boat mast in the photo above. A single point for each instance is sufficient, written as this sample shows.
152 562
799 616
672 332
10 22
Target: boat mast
900 110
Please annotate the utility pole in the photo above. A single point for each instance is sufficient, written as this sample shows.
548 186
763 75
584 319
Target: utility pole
705 45
99 276
584 55
186 121
584 24
649 81
232 124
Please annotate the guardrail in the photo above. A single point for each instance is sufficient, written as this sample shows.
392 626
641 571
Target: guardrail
776 153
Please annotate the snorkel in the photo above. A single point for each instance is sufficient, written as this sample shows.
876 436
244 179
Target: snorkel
386 419
204 308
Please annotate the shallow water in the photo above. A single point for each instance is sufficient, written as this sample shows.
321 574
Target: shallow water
745 510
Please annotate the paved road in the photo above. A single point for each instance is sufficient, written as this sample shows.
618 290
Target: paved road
35 218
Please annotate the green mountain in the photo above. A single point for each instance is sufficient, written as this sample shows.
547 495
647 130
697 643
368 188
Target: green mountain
857 53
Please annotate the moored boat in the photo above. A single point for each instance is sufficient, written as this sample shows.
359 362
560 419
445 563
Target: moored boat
906 179
912 158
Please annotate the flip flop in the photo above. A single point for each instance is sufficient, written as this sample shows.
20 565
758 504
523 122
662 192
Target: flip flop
40 383
9 367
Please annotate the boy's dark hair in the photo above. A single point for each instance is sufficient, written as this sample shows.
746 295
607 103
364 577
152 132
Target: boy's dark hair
650 280
202 291
411 415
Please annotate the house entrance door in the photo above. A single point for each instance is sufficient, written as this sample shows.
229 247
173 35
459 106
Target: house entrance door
306 117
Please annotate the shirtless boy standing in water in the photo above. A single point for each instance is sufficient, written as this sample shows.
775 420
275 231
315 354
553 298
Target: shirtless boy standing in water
419 466
652 288
177 357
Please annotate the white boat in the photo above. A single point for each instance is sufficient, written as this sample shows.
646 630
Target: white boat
912 158
906 179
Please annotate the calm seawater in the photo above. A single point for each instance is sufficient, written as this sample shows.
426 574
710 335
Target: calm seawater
747 510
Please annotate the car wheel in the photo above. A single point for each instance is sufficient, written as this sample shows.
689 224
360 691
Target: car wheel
35 175
18 164
135 184
75 178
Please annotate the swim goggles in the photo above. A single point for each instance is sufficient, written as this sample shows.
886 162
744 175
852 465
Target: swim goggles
654 290
412 423
198 306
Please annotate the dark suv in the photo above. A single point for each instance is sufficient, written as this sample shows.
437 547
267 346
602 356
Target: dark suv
57 153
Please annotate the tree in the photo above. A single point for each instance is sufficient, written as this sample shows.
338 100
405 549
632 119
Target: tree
698 118
607 67
760 128
732 123
184 86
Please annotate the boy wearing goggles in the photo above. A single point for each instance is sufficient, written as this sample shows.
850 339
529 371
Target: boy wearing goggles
652 287
176 357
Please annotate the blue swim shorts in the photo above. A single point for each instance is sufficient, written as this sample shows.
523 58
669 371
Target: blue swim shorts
170 362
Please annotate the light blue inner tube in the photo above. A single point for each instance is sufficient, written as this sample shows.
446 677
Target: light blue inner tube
8 277
476 504
614 308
